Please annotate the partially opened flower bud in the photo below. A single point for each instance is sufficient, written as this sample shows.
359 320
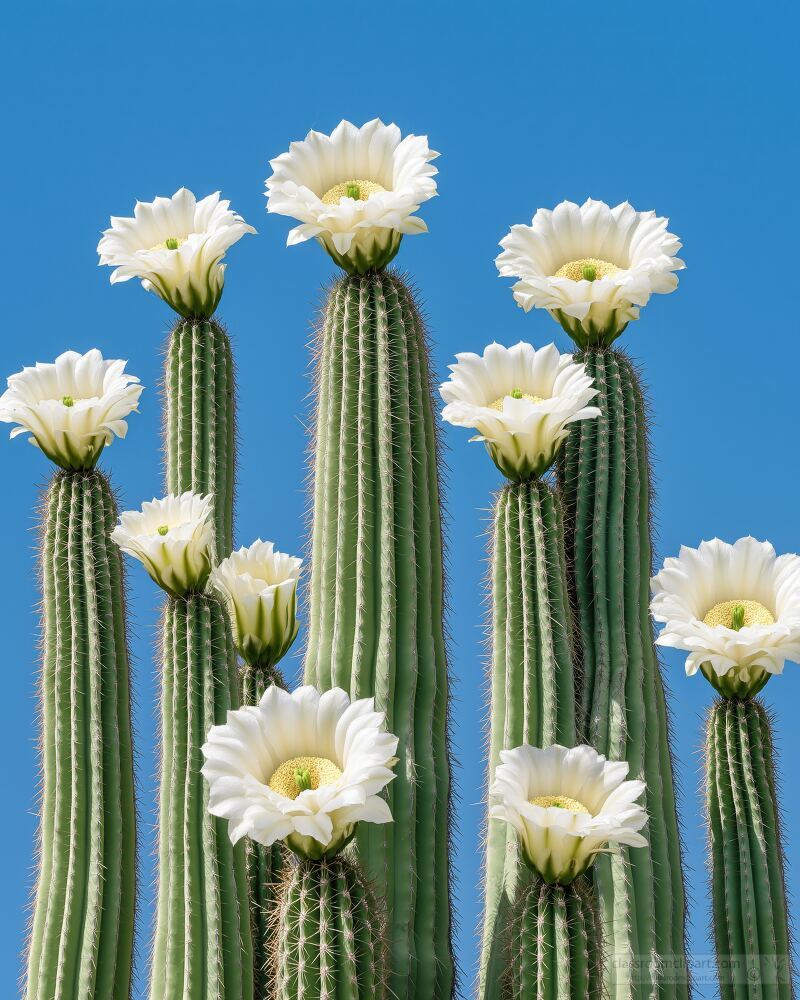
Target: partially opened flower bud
566 805
260 587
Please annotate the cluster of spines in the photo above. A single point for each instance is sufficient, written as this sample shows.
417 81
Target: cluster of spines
376 602
556 944
605 482
81 941
329 934
751 925
203 940
532 677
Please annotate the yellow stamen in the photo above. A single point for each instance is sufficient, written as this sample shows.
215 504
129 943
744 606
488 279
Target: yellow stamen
358 189
754 614
301 773
574 269
514 394
560 802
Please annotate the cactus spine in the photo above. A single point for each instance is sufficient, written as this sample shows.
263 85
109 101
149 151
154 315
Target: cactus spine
749 897
81 944
263 863
202 943
605 480
328 934
532 679
376 604
556 945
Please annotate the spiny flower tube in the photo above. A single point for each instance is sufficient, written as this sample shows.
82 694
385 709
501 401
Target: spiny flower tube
521 400
355 190
173 538
73 407
591 266
303 767
175 245
734 608
566 805
260 587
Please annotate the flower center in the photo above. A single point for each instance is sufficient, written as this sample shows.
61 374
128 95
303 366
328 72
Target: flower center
514 394
163 529
586 269
301 773
170 243
737 614
357 189
67 400
560 802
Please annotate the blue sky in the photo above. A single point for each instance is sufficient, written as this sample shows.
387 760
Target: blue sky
687 108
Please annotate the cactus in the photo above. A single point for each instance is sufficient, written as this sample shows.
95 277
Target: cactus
532 680
556 944
376 602
747 879
202 942
81 943
605 481
328 934
263 863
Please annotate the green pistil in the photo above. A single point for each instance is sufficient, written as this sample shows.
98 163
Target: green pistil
353 191
737 617
589 272
163 529
67 400
516 394
171 243
302 778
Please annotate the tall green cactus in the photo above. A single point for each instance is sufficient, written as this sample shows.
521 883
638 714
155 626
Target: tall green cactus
263 863
376 603
747 879
532 679
81 944
202 942
556 944
605 481
328 934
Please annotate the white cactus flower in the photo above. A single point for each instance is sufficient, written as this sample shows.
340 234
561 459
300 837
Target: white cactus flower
355 190
175 245
592 267
734 608
173 538
260 587
73 407
521 400
566 805
303 767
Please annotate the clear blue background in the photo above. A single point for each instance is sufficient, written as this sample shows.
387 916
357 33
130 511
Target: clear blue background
687 107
